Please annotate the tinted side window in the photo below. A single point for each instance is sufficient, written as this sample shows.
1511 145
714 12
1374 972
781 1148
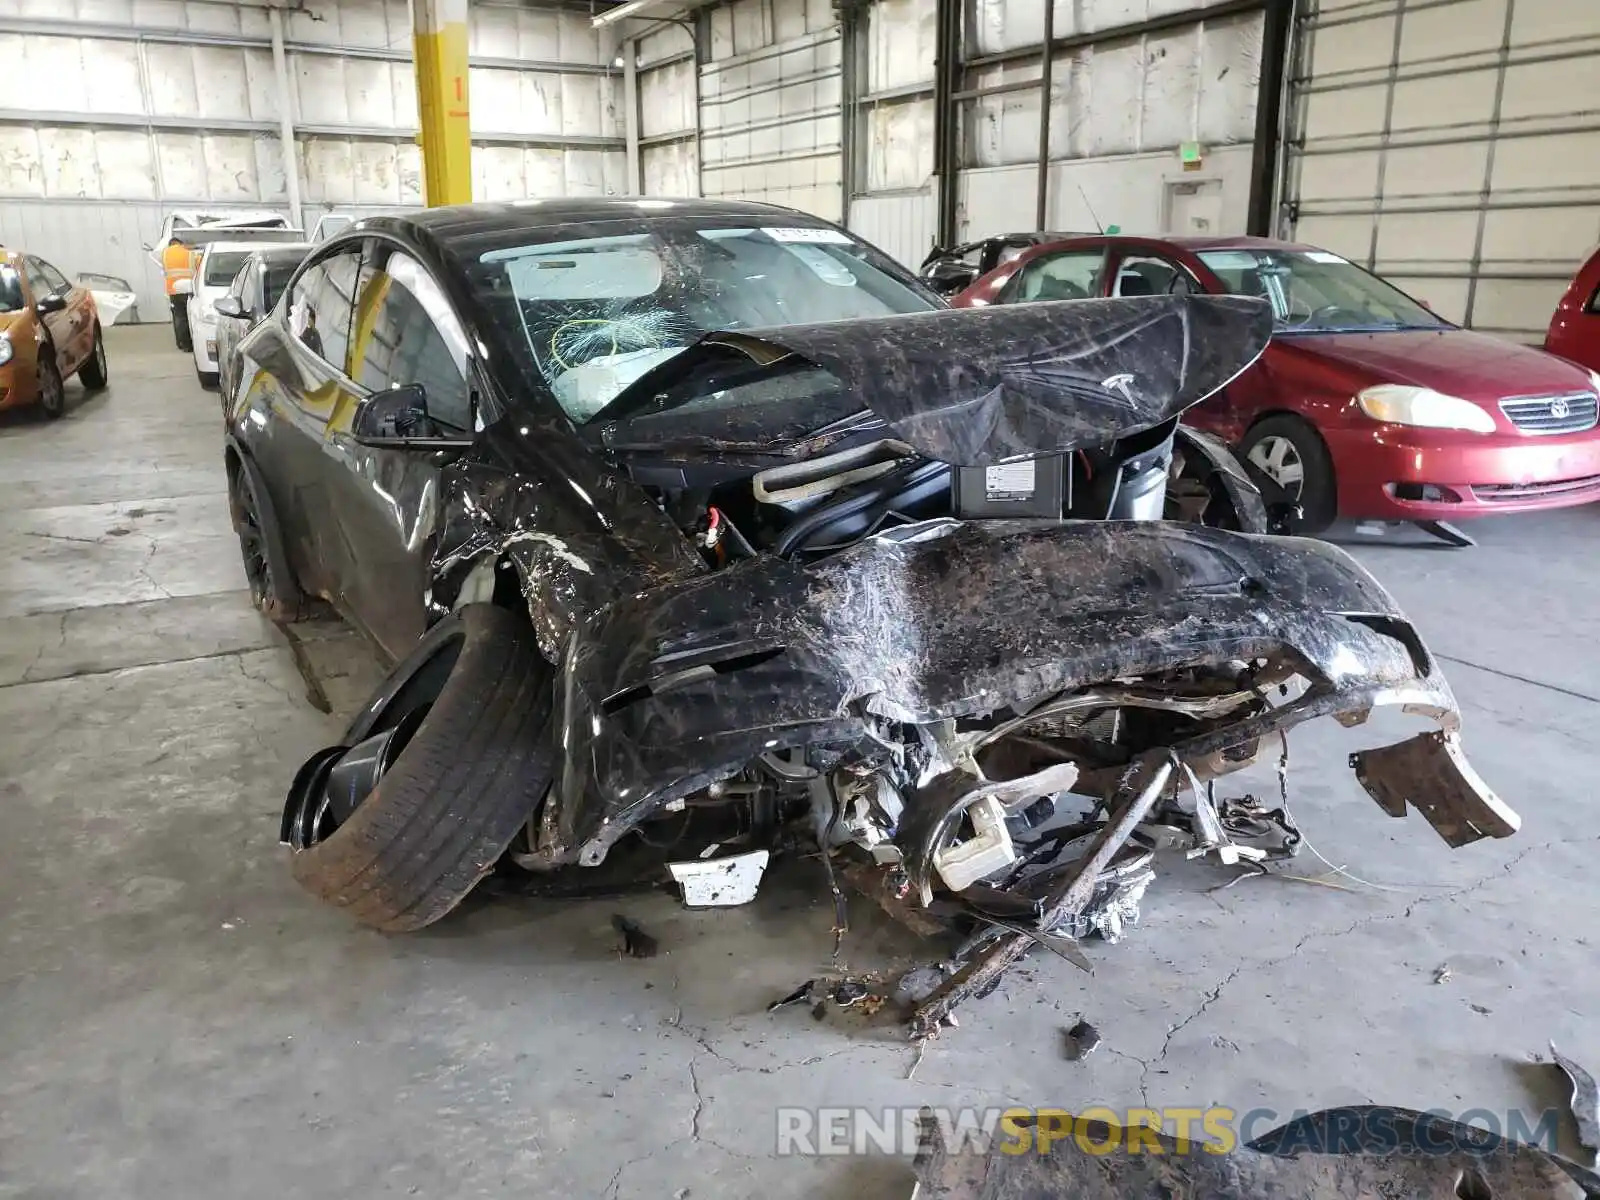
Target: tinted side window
55 281
413 337
33 268
274 277
319 310
1594 301
1070 275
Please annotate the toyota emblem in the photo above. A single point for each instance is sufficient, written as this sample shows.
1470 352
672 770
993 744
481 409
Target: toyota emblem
1559 408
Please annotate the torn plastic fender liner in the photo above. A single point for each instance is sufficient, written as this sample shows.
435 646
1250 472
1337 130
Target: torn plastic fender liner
1431 774
678 686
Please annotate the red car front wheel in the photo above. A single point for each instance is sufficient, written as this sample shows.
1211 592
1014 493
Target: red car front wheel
1292 465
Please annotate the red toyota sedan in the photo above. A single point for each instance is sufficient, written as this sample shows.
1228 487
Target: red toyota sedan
1365 404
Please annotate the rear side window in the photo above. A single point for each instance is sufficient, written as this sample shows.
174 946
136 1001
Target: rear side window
412 336
319 309
1069 275
274 277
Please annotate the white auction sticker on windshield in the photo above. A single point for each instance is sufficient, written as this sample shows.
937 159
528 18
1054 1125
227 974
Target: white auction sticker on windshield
1323 256
831 237
1009 481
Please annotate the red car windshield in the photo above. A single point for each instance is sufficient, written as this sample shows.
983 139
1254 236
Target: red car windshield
1313 291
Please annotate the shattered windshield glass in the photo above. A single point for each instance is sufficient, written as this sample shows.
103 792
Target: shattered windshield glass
1314 291
592 315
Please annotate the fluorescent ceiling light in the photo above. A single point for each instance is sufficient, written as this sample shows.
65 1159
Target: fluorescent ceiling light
634 8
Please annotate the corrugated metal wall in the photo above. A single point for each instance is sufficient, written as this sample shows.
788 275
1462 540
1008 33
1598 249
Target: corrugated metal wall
770 115
1119 110
1453 147
668 114
106 102
895 206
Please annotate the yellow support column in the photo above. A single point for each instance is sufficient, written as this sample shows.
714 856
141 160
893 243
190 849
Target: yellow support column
440 28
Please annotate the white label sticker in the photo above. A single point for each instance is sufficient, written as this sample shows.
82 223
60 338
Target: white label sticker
1010 481
1323 256
830 237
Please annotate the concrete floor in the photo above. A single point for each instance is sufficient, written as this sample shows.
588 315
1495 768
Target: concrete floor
178 1019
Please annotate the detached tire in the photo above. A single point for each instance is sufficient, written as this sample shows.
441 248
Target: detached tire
457 792
1289 461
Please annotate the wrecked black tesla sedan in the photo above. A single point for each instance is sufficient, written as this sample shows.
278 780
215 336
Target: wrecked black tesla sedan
678 508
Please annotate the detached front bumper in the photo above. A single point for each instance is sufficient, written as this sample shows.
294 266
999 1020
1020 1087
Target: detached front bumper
672 689
1390 472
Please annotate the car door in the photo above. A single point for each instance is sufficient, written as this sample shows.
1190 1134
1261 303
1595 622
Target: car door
80 315
49 285
230 329
301 386
404 333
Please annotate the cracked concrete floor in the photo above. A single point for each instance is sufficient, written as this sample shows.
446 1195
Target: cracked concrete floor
177 1019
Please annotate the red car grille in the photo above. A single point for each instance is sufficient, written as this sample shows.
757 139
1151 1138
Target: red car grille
1553 414
1491 492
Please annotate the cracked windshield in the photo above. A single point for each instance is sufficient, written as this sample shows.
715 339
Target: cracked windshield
593 315
1313 291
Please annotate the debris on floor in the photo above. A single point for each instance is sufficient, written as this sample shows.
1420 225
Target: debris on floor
1441 973
1585 1101
720 882
1082 1039
636 943
800 995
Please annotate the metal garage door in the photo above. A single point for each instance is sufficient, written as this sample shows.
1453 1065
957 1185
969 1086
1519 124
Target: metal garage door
769 106
1452 146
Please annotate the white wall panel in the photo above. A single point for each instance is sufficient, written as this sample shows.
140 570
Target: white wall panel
1132 192
671 169
903 226
1429 146
1119 110
770 105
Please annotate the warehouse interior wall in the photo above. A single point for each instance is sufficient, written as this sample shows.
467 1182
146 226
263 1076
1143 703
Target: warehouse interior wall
1452 146
112 112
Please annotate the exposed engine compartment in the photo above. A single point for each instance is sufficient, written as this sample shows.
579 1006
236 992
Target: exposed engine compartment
866 482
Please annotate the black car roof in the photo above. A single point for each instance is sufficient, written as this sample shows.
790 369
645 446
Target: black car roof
447 224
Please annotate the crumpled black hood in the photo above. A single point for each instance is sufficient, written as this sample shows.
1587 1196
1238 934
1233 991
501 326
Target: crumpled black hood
969 386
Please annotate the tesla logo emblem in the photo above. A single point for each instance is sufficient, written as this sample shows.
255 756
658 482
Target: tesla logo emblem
1119 384
1560 409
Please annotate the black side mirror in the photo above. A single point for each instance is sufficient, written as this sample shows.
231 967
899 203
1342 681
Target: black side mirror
53 303
231 306
398 417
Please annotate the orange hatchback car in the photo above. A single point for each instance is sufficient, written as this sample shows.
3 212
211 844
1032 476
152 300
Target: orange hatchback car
49 329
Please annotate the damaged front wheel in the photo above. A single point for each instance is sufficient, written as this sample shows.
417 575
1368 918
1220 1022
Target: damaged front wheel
432 780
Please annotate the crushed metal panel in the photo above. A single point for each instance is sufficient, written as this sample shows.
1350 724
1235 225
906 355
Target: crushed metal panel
1431 774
